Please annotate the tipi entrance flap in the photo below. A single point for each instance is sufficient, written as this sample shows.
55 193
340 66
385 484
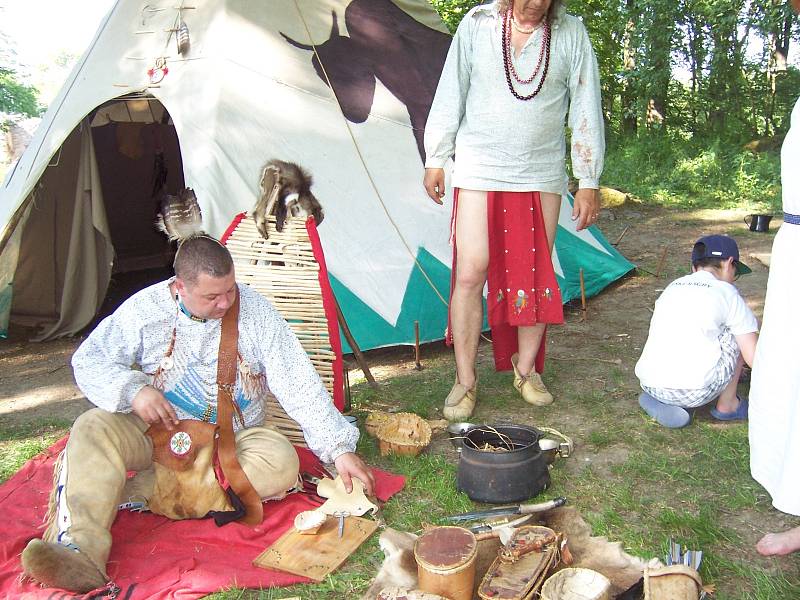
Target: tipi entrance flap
79 262
96 203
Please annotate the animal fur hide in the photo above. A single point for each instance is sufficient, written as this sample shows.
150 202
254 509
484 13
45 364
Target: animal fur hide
399 569
285 190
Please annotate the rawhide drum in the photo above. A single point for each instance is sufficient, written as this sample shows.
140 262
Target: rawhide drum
446 562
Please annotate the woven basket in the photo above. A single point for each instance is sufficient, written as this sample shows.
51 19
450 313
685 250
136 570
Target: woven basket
374 421
284 270
576 584
406 433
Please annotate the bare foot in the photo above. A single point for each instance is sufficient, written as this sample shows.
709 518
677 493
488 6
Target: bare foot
779 544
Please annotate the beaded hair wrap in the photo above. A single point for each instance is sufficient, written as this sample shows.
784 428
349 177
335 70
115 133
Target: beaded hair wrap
508 63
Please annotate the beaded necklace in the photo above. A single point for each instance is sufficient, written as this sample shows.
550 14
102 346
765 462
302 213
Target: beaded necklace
521 29
508 63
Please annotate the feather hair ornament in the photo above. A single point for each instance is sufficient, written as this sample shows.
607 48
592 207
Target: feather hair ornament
180 216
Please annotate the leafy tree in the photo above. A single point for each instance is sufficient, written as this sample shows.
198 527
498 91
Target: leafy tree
452 11
16 97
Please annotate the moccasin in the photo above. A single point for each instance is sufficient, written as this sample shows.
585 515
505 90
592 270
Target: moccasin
57 566
530 387
460 402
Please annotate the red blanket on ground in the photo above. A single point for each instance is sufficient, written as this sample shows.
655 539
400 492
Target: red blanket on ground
152 556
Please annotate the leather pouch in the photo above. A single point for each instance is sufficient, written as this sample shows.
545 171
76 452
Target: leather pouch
676 582
186 485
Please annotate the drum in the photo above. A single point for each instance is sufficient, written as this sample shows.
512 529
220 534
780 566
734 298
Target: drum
446 562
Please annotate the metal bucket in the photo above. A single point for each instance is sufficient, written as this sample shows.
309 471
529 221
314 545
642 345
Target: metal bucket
758 223
510 475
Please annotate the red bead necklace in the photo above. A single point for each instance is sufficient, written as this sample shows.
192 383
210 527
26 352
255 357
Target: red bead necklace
508 63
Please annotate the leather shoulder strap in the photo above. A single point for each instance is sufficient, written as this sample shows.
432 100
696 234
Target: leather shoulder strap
226 383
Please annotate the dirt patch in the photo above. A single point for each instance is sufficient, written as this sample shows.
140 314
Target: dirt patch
36 382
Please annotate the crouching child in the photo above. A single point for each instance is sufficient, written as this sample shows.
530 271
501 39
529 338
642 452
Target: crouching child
701 334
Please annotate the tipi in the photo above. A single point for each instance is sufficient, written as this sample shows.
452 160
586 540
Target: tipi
202 95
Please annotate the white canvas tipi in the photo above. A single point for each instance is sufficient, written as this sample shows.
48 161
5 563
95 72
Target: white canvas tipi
341 87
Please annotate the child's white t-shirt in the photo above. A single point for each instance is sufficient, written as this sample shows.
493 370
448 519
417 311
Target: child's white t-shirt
682 348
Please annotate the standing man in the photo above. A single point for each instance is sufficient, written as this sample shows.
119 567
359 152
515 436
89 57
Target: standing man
513 70
775 386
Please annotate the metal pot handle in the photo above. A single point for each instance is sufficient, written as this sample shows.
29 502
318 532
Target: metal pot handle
566 447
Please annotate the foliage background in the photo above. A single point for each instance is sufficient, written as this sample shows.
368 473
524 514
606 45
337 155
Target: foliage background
686 86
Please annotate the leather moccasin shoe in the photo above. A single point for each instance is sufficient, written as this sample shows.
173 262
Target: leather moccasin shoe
530 387
57 566
460 402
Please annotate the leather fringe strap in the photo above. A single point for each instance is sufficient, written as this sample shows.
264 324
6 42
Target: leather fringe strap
226 383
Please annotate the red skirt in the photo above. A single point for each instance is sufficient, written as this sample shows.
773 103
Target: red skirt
523 289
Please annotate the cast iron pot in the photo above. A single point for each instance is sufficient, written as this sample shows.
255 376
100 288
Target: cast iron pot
500 477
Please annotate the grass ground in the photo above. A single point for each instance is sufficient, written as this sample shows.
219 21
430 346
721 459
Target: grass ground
632 480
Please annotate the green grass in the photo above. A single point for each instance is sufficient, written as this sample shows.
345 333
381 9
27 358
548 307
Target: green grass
633 481
694 174
660 484
19 444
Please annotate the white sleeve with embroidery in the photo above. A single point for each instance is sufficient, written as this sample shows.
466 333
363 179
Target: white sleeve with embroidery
103 363
295 383
449 102
586 113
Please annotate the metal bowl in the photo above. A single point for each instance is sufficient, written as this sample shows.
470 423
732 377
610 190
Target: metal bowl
456 433
550 449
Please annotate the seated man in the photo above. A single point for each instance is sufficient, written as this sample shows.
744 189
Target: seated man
153 362
700 332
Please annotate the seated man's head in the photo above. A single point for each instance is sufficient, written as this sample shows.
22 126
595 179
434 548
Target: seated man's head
719 255
204 277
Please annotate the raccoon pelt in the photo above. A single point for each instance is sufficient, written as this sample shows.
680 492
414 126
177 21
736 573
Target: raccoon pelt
285 190
180 216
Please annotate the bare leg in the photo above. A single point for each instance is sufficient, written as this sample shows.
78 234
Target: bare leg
530 337
727 401
779 544
466 310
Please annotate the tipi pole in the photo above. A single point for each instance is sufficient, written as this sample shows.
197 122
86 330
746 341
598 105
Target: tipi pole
353 346
417 364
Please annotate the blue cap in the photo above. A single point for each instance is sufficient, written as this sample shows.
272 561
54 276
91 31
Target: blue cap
719 246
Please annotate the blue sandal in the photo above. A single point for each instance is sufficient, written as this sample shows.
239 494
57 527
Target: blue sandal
667 415
740 414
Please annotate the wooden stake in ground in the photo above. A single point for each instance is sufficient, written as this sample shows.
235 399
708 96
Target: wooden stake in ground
353 346
583 295
621 235
417 364
661 261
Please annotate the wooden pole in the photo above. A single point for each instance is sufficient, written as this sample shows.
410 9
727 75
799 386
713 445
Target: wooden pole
8 231
661 261
417 364
353 346
621 235
583 295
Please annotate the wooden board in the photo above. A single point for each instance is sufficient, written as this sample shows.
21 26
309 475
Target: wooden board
315 556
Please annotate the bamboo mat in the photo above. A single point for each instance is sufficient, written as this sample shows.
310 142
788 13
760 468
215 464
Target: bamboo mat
284 270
